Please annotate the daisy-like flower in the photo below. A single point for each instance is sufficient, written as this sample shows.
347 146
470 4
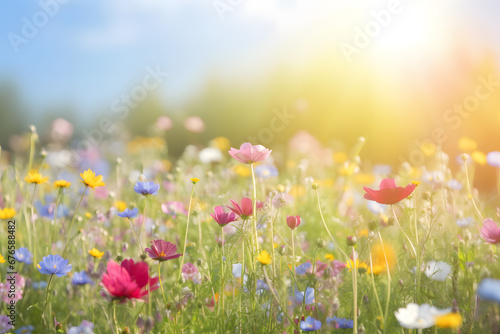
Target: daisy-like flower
94 252
248 153
61 184
7 213
81 278
438 271
162 250
91 180
22 254
415 316
450 320
35 177
310 324
195 180
264 257
129 213
54 265
146 188
2 259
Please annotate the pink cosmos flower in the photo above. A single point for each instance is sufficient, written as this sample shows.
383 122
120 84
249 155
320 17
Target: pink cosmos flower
128 280
191 272
337 266
389 193
245 210
222 218
319 268
248 153
292 221
490 231
162 250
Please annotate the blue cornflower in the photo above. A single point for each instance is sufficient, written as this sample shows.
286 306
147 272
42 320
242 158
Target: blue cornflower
302 269
22 254
310 324
54 265
129 213
86 327
343 323
147 188
24 330
299 296
39 285
266 171
81 278
489 289
48 210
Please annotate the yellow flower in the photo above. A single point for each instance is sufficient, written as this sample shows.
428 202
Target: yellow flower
2 259
91 180
416 183
450 320
195 180
264 257
466 144
62 184
88 215
7 213
242 170
35 177
379 256
359 265
329 257
222 143
363 233
478 157
95 253
120 206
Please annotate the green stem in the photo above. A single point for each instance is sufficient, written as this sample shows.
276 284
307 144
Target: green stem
72 220
187 229
355 292
242 275
46 297
222 282
414 252
161 285
470 192
34 228
135 233
55 219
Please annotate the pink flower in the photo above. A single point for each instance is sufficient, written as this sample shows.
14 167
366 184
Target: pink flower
194 124
163 123
389 193
292 221
319 268
128 280
490 231
245 210
162 250
191 272
222 218
337 266
281 199
248 153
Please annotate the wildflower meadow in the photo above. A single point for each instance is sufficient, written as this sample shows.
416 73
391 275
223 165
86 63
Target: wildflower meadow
228 240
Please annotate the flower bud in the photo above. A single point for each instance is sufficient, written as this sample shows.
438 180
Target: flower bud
282 250
320 243
315 185
351 241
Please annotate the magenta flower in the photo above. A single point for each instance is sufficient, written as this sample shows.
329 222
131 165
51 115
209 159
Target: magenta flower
248 153
222 218
162 250
292 221
490 231
245 210
389 193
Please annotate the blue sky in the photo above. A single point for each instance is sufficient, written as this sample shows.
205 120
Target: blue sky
92 51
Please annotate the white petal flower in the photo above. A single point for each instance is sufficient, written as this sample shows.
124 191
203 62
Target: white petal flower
437 271
416 316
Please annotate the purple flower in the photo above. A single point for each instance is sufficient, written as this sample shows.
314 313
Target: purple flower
302 269
310 324
4 324
81 278
129 213
191 272
173 208
22 254
147 188
54 265
299 296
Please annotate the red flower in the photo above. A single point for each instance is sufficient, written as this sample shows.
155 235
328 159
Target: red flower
162 250
128 281
292 221
389 193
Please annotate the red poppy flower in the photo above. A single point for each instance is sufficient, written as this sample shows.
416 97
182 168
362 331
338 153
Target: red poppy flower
389 193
